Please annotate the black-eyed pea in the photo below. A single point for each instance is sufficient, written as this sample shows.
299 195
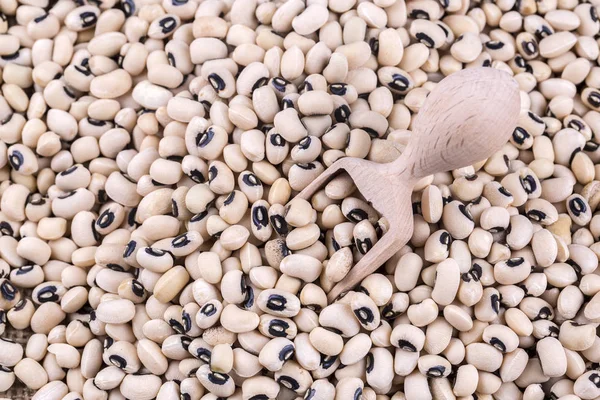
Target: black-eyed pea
31 373
437 246
140 387
586 386
560 275
416 385
221 358
12 352
447 281
488 307
434 366
115 311
294 377
423 313
66 355
171 283
238 320
339 264
458 317
52 390
275 353
512 271
259 386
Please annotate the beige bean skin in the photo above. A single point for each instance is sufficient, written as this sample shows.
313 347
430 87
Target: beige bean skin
447 281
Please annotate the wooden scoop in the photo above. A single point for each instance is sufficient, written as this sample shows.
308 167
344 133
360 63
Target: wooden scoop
465 119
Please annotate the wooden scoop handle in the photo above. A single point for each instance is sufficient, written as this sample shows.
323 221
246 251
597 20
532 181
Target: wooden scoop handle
466 118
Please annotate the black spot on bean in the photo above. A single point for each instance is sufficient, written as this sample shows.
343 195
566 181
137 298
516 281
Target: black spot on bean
279 224
515 262
357 215
11 57
595 379
249 300
425 39
213 172
399 82
545 313
8 290
445 238
208 309
176 325
342 113
374 45
197 176
6 229
88 19
286 352
464 211
204 138
278 328
436 372
494 45
288 382
497 343
406 346
577 206
260 217
18 307
185 342
419 14
180 241
48 294
216 82
229 199
276 302
218 378
199 216
277 140
129 248
536 215
41 18
279 84
203 354
260 83
117 361
154 252
16 159
168 24
370 362
495 303
310 394
520 135
364 315
363 246
594 99
388 312
338 89
105 219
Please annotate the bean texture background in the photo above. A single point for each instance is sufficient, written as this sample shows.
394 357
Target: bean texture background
151 246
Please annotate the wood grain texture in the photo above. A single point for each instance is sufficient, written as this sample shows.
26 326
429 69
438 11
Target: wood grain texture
465 119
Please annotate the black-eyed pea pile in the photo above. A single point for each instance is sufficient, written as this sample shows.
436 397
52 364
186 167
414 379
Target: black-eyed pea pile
152 245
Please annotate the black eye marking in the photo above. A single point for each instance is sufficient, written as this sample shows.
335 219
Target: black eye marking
88 19
276 302
8 290
286 352
216 82
16 159
168 24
